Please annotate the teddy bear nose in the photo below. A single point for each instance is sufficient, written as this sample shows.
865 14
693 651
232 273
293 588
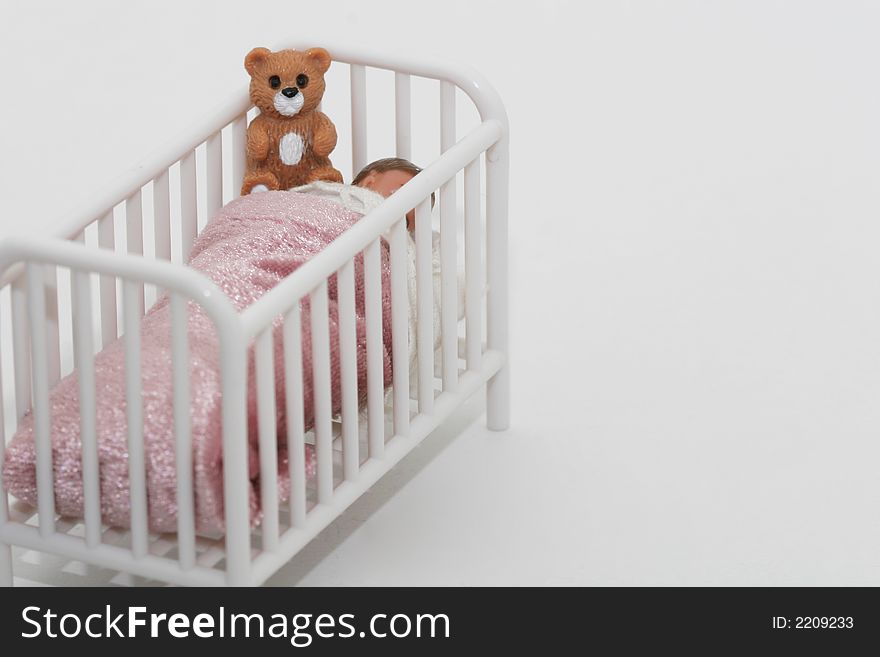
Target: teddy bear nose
290 92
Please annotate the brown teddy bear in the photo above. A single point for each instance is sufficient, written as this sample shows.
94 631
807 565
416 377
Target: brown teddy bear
289 142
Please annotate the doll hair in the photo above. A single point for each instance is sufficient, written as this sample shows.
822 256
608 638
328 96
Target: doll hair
389 164
386 164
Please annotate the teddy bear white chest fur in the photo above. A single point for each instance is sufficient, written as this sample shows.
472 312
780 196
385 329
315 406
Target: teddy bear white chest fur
290 148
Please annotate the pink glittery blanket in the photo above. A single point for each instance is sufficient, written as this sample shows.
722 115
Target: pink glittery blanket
246 249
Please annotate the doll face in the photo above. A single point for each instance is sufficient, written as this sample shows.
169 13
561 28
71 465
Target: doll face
388 182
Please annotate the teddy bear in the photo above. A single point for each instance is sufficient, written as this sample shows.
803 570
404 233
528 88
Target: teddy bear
289 142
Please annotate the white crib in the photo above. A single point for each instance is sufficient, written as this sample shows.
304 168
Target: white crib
59 304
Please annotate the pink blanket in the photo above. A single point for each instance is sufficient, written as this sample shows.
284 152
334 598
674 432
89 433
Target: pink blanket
252 244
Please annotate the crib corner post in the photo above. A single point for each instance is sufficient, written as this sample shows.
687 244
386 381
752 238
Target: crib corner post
234 381
5 564
497 312
498 401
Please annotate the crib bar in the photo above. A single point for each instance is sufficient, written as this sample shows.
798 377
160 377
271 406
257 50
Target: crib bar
107 240
66 360
42 439
214 174
448 246
4 500
375 365
472 265
5 565
188 205
425 316
358 118
162 215
53 353
186 540
69 352
403 115
161 220
321 391
348 373
132 297
134 226
293 386
21 347
233 372
399 328
239 148
84 350
265 373
449 286
5 548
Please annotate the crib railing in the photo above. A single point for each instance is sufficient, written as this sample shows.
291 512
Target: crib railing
183 285
433 406
62 296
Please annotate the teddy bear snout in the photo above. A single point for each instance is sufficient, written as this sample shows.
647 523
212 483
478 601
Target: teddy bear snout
290 92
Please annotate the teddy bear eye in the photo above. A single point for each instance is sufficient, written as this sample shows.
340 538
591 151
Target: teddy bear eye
275 82
302 80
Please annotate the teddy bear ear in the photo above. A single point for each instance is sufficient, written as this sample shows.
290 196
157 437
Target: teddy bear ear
320 57
254 57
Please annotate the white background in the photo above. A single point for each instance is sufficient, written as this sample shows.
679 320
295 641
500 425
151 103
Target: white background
695 272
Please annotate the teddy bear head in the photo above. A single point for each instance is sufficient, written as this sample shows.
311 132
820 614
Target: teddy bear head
287 83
